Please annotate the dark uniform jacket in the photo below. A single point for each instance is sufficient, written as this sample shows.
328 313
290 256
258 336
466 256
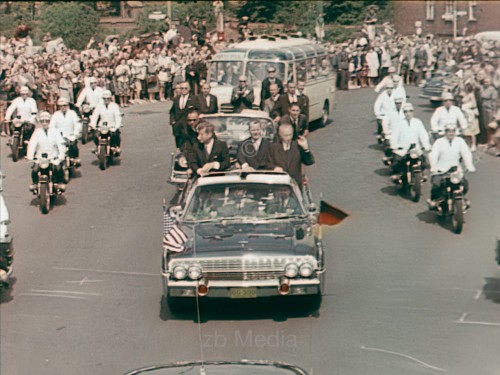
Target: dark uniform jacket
299 125
202 104
265 93
242 101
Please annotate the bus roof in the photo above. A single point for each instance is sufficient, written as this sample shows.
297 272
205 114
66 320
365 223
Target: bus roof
271 48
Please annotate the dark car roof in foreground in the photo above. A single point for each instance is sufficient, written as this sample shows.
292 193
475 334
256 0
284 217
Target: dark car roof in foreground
242 367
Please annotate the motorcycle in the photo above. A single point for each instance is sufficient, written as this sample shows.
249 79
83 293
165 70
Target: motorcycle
411 174
6 254
21 134
87 131
106 152
47 189
70 163
451 203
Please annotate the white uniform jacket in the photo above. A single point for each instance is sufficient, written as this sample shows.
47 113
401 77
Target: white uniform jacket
110 114
27 109
93 97
385 81
445 155
51 143
4 217
442 117
384 105
67 123
391 121
405 134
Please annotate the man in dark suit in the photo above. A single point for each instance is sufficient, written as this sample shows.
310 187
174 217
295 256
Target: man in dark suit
287 99
303 99
284 202
288 155
180 108
271 105
254 152
209 154
297 120
206 102
242 96
189 135
271 79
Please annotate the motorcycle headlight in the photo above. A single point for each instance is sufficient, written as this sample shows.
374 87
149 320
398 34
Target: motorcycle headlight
291 270
104 130
44 163
194 272
456 177
18 124
180 272
306 269
414 154
182 161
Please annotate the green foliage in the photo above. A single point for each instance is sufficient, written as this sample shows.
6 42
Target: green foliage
74 22
15 13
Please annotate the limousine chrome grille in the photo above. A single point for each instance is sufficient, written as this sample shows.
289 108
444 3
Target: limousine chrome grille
243 268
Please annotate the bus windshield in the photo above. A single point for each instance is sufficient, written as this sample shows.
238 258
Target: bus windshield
226 73
257 71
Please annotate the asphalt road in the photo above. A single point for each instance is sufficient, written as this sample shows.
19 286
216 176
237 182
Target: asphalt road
404 294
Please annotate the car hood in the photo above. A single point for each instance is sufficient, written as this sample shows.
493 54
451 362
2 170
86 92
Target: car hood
239 239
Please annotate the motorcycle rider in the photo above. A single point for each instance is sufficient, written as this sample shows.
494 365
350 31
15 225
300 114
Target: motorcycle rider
409 131
393 118
447 114
108 113
391 77
91 94
67 122
25 108
46 140
384 105
446 153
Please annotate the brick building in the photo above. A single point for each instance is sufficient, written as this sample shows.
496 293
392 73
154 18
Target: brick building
436 17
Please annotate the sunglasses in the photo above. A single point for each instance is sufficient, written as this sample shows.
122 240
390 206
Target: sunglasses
242 81
408 111
191 120
184 88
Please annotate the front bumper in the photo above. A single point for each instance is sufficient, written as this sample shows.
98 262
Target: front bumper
224 288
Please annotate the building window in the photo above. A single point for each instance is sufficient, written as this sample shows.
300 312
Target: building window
472 10
449 7
429 10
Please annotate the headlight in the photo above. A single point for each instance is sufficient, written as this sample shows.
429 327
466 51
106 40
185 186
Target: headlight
456 177
194 272
104 130
291 270
306 270
18 124
44 163
414 154
179 272
182 161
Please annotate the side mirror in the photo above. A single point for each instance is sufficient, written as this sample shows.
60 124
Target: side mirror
312 208
300 234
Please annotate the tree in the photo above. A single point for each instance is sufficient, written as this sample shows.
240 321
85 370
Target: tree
74 22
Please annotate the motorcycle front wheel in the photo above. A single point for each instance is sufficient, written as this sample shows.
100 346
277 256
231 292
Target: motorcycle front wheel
44 199
15 149
66 175
416 187
102 157
457 218
85 133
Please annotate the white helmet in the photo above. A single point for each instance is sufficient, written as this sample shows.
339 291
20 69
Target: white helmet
392 69
447 96
107 94
44 116
389 85
62 101
24 90
450 127
398 99
408 107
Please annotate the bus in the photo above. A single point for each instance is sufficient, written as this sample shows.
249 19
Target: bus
294 58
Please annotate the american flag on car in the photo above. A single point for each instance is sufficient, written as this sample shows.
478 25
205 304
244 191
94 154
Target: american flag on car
173 236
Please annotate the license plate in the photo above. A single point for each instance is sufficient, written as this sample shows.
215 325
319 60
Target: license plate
243 293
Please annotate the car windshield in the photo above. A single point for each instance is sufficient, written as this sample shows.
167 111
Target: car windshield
235 128
257 71
226 73
243 201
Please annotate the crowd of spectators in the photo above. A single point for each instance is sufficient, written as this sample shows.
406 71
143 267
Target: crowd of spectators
151 68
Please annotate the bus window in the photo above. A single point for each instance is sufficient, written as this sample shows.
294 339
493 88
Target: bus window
257 71
325 67
312 69
301 71
226 73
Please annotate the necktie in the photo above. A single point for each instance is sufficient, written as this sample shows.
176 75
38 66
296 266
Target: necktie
256 145
46 132
449 140
208 101
183 102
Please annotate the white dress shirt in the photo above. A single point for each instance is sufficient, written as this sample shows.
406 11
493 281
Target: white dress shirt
445 155
407 132
107 113
26 108
443 116
93 97
67 123
384 105
50 143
